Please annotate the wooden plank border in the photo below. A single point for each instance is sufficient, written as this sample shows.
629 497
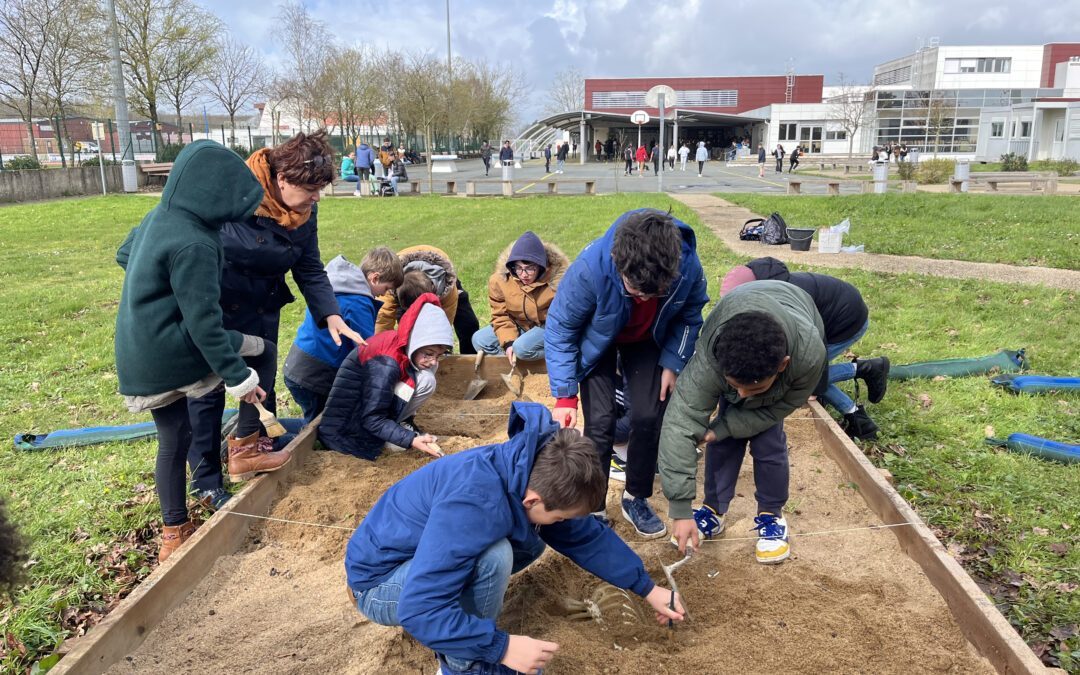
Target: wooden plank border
124 629
980 622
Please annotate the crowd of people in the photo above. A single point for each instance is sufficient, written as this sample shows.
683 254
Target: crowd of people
619 327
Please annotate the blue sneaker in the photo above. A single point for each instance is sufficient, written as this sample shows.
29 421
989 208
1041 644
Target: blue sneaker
638 512
710 524
477 668
772 544
214 499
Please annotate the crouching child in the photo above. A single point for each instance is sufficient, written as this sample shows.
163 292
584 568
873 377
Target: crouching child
380 387
436 552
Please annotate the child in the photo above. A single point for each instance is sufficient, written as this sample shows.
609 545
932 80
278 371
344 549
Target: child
520 291
380 387
762 357
636 294
846 319
435 553
170 342
313 359
455 301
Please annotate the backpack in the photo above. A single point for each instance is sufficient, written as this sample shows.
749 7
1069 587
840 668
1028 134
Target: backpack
771 230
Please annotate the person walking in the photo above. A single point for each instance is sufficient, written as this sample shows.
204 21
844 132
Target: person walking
641 156
628 156
547 158
560 156
794 158
599 148
684 154
701 156
655 156
779 153
671 157
761 160
485 155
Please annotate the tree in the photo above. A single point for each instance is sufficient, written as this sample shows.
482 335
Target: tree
939 118
852 108
235 77
421 98
74 61
484 96
353 85
187 59
23 52
566 93
305 44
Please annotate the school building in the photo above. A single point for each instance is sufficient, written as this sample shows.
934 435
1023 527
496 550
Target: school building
974 102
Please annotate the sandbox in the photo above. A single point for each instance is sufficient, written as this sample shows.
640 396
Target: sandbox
275 600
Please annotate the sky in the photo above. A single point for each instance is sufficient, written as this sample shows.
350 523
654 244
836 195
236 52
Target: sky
619 38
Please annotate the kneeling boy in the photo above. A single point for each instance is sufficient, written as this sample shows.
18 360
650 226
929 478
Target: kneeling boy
435 553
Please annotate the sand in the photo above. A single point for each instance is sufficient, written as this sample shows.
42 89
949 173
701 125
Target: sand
850 602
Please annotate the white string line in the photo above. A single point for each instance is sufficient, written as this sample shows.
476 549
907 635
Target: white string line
291 522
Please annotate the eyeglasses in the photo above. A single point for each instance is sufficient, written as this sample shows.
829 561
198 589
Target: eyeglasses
317 161
526 269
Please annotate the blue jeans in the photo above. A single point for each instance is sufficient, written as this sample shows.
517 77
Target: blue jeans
528 347
351 178
310 402
841 372
481 597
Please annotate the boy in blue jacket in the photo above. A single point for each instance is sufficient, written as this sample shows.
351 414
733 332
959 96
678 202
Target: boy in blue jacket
313 359
633 296
435 553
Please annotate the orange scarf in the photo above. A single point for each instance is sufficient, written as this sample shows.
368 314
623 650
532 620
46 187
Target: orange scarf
259 163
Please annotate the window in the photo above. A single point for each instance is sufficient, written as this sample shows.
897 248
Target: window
1025 129
838 135
787 132
618 99
978 65
894 76
712 98
997 129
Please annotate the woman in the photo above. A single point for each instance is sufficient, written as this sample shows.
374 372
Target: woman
348 168
671 157
701 156
642 156
281 236
778 153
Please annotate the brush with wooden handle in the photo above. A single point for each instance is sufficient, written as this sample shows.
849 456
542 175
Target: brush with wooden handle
273 427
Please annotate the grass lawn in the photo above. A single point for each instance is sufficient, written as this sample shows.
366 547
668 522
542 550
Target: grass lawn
1018 230
88 512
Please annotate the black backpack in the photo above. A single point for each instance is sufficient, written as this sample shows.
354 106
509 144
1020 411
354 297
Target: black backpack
771 230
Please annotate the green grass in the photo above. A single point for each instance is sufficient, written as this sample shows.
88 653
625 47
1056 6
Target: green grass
1018 230
60 286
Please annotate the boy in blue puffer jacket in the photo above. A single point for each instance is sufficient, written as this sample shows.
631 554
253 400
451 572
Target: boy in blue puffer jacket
632 296
313 359
435 553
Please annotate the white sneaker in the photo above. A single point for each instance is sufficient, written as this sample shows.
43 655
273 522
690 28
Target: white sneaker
772 544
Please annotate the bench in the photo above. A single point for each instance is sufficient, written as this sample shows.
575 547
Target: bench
365 188
1045 181
508 185
794 187
156 169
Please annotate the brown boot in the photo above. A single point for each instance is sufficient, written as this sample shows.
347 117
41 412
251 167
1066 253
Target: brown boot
245 460
172 538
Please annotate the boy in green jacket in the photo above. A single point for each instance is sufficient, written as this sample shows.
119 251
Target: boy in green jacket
759 358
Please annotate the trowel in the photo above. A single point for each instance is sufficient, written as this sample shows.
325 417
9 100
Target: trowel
478 383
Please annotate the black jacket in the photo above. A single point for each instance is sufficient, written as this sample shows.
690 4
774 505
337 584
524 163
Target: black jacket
564 150
839 303
359 418
258 253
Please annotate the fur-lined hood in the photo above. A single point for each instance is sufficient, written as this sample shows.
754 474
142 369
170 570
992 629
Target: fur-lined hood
553 274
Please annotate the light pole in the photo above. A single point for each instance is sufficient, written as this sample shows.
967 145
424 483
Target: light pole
449 81
127 155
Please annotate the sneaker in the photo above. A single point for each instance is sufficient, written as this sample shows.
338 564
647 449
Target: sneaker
875 372
213 499
645 521
477 668
357 193
772 544
617 470
859 426
406 424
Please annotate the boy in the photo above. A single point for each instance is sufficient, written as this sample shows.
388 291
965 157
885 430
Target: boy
380 387
635 294
846 320
313 359
435 553
520 292
762 357
434 263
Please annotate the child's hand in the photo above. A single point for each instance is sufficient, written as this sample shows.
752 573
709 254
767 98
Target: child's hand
526 655
659 598
565 417
256 394
424 443
685 532
510 355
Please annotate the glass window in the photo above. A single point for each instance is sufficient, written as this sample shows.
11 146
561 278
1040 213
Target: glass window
889 122
839 135
787 132
1025 129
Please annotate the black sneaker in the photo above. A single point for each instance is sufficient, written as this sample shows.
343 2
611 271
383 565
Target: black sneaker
875 372
859 426
617 470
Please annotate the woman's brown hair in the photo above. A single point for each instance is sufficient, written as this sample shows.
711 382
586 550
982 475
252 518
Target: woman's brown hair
305 159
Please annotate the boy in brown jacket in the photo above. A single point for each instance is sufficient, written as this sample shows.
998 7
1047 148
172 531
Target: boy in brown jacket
437 267
520 291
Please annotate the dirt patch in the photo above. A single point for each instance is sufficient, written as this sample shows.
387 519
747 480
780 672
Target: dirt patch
844 602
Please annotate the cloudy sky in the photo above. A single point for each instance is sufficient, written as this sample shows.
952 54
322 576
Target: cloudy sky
667 37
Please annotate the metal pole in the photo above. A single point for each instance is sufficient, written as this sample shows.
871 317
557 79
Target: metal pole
251 144
449 80
112 142
120 104
663 160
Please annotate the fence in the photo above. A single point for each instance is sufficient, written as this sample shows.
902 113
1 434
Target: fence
31 185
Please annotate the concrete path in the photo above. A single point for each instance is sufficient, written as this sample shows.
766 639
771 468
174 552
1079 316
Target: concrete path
726 219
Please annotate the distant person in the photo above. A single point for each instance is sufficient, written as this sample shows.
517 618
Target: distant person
684 154
628 157
599 148
386 156
348 168
485 156
701 156
778 154
506 154
363 161
761 160
642 156
796 153
547 158
397 172
903 152
560 157
654 155
671 157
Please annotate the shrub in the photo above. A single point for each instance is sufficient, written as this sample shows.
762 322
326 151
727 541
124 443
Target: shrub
934 171
906 170
1013 162
93 161
240 150
22 163
168 152
1062 167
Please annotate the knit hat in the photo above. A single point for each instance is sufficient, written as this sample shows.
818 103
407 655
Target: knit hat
738 276
528 248
768 268
431 328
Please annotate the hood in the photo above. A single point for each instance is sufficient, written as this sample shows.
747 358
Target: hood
432 256
529 428
431 328
556 266
435 273
212 183
394 343
364 146
768 268
528 248
347 277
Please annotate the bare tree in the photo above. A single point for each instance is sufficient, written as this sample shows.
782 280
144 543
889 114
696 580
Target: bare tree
484 96
23 54
305 43
566 93
352 85
939 118
74 62
235 77
852 108
422 98
187 60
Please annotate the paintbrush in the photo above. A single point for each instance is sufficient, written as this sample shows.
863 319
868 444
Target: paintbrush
269 421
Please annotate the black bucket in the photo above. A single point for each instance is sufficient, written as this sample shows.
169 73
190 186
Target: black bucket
800 238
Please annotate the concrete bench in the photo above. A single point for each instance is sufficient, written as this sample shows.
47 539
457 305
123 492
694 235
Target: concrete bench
1047 182
794 187
508 185
443 163
553 186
